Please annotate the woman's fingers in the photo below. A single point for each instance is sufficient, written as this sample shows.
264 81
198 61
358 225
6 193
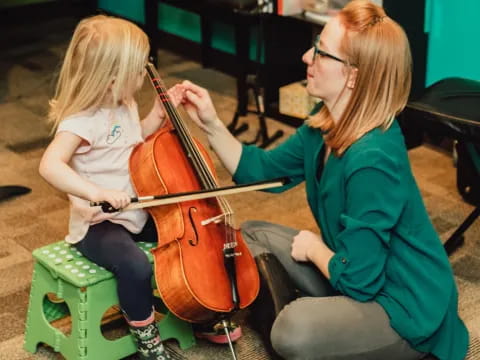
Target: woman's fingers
199 105
193 98
192 111
193 87
176 93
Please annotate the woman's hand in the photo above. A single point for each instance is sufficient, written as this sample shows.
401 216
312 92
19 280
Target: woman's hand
156 118
118 199
199 106
176 94
305 242
308 246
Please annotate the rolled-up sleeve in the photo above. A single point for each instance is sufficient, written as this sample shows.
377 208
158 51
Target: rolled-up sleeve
286 160
374 202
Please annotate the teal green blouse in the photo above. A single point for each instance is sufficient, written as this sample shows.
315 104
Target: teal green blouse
371 214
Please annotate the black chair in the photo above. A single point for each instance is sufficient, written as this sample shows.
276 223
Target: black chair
451 108
242 15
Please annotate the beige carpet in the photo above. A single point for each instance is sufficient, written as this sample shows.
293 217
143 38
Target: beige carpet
40 218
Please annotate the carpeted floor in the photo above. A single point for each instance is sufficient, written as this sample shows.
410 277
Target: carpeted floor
39 218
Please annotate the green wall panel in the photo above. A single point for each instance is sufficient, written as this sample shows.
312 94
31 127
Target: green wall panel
223 38
453 39
129 9
179 22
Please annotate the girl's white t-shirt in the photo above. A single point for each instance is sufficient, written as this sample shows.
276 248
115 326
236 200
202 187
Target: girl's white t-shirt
103 159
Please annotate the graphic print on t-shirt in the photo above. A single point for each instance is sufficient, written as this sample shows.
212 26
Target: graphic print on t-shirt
114 134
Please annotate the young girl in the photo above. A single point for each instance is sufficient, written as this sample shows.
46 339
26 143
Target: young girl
97 126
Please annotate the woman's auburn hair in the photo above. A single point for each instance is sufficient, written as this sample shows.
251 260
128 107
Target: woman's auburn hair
105 53
379 49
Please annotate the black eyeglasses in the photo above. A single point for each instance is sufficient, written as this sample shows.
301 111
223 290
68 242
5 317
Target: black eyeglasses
322 53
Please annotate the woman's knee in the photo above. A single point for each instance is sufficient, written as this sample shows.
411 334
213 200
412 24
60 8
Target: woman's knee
255 236
251 226
290 337
336 327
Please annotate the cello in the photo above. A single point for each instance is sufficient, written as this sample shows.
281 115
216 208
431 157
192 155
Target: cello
203 268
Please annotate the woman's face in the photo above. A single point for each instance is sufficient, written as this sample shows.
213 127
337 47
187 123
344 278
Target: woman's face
326 76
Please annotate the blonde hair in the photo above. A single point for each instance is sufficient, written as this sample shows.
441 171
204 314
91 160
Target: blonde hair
102 66
379 48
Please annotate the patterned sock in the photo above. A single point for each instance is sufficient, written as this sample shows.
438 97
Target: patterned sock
149 343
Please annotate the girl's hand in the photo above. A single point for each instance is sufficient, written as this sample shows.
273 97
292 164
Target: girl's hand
118 199
304 245
199 106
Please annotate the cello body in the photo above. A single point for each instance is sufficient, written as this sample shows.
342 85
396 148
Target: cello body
189 260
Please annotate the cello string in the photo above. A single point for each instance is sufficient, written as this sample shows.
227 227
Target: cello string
191 151
203 170
198 157
184 132
198 161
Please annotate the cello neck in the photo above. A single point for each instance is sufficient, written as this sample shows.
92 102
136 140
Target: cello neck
196 159
162 93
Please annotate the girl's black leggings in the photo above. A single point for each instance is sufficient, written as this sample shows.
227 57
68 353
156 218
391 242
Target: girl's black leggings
113 247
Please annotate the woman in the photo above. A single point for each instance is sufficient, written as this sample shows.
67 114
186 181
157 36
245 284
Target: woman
377 281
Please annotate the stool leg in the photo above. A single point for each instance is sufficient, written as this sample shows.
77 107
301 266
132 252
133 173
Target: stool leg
172 327
38 329
99 298
35 304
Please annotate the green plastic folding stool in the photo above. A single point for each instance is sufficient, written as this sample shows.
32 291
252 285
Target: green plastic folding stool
89 291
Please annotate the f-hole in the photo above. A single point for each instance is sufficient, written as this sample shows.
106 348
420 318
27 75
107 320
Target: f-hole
193 242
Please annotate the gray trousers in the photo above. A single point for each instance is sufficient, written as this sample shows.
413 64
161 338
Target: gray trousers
323 324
